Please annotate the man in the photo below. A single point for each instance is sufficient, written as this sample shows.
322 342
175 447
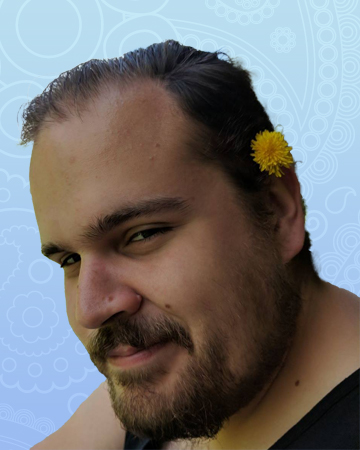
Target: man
171 230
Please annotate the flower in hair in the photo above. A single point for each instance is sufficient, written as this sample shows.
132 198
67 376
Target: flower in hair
271 151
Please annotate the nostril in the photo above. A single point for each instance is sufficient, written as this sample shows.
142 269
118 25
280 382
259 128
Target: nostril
115 318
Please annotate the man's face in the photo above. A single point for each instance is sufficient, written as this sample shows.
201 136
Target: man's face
211 285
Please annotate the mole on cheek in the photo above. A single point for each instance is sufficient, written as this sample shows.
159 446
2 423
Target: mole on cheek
297 383
167 306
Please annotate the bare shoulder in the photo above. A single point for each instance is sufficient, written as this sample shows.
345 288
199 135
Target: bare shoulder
93 426
344 329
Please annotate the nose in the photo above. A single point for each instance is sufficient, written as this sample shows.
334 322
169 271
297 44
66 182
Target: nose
103 292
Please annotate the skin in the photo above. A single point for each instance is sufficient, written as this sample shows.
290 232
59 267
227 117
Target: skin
249 352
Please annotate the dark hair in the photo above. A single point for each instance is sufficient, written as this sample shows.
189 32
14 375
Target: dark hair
216 93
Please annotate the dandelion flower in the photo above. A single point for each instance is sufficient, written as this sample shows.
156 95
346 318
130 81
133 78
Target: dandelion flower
271 151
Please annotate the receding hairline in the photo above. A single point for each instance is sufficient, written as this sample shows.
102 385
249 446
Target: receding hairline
76 108
196 134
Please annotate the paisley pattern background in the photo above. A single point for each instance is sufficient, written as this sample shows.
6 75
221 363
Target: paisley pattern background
305 61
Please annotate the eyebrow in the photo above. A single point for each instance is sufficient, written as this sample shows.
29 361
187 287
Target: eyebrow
104 224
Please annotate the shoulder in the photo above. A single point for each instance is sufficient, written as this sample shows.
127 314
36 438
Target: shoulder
93 426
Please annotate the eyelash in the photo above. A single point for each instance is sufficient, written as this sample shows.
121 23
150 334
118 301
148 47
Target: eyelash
159 231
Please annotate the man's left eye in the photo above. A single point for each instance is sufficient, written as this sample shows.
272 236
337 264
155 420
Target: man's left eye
150 230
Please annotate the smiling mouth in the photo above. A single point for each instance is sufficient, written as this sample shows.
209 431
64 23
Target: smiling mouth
137 357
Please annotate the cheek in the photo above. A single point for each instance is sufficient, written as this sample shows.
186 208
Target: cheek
190 281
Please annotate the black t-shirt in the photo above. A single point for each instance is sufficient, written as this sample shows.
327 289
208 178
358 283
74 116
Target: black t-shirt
332 424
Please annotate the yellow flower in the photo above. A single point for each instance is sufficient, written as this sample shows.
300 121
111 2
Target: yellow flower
271 151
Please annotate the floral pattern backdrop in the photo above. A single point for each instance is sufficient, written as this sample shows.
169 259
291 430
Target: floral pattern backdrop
304 56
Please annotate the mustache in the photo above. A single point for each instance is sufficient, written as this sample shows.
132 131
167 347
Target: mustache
141 334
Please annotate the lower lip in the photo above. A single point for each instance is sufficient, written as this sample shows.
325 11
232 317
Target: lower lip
137 358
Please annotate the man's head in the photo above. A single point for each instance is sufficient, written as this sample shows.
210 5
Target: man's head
222 284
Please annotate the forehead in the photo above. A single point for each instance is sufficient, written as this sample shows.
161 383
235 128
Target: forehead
135 122
124 148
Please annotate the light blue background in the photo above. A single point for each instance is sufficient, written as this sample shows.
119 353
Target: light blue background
304 56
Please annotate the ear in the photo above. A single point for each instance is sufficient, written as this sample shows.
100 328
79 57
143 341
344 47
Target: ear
290 223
